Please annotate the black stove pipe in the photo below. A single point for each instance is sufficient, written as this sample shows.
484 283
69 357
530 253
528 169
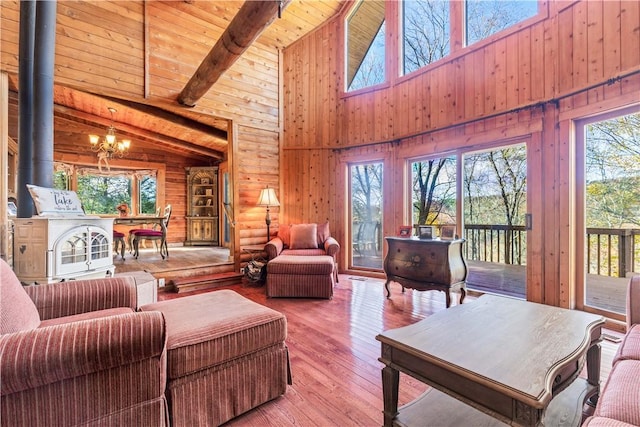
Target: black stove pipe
25 106
45 44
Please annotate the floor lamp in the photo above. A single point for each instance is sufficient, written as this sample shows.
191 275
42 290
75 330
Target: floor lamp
267 199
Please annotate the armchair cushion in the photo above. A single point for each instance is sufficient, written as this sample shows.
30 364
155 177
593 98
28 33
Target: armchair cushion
17 310
304 236
284 233
323 233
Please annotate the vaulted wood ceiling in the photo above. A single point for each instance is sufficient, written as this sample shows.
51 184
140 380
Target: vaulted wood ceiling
164 122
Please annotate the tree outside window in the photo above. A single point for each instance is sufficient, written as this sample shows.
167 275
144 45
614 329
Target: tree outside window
426 35
487 17
100 193
365 54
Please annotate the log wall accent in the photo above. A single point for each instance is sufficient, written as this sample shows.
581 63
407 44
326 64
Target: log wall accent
142 51
524 85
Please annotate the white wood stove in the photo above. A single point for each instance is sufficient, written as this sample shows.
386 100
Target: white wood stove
50 250
61 243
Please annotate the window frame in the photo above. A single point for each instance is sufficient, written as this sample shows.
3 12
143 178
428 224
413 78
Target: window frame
345 57
131 168
394 43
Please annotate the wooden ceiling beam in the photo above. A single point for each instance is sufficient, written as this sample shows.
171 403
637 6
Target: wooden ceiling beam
76 117
163 114
252 18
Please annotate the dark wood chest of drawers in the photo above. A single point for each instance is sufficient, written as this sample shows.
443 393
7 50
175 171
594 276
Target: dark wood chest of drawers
426 265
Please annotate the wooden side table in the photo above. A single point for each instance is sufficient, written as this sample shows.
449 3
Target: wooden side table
146 286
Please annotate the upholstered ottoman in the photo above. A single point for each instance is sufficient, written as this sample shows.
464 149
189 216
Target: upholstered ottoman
300 276
225 355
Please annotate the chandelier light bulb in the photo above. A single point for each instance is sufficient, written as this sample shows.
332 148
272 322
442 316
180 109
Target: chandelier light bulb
108 146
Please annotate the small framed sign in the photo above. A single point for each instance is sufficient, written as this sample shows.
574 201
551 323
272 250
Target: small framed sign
425 232
448 232
404 231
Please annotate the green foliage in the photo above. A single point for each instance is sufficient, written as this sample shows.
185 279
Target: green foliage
613 172
101 194
148 186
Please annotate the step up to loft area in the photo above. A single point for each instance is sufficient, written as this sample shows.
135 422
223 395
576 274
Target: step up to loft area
193 283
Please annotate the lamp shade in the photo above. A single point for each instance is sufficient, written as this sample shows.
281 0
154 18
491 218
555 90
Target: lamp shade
268 198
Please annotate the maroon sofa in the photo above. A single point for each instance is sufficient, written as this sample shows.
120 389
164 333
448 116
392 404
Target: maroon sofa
619 401
76 353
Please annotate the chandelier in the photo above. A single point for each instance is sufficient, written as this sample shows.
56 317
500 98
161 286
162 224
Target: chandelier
109 147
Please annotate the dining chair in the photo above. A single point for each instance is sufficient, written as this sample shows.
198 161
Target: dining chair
134 230
153 235
118 243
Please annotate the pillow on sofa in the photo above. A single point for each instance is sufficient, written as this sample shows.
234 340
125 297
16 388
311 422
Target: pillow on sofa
284 233
304 236
323 233
17 310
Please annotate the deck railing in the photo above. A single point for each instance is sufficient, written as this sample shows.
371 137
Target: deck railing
613 252
610 252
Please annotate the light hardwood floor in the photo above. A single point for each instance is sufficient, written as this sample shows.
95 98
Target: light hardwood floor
334 354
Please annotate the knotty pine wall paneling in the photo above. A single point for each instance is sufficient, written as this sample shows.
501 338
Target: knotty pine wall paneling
516 85
101 47
257 167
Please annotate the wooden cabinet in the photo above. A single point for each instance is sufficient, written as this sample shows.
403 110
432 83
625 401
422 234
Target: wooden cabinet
426 265
202 202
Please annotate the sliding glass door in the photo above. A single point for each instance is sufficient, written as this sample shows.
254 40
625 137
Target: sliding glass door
608 207
365 185
495 211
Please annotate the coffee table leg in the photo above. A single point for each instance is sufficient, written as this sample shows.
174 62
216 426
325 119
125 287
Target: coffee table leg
593 364
390 381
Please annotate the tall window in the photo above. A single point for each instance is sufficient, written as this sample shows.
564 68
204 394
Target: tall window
366 215
487 17
610 147
495 203
365 45
433 199
101 192
426 32
147 190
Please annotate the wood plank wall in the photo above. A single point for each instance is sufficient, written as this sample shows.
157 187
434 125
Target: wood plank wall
523 86
148 50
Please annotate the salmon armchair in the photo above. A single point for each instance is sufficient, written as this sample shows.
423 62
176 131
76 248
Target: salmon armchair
76 353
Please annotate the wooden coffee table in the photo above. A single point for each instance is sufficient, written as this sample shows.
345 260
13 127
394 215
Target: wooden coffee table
492 361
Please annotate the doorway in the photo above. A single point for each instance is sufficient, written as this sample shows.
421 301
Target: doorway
608 214
494 195
365 215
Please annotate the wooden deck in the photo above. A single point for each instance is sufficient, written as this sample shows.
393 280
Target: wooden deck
607 293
